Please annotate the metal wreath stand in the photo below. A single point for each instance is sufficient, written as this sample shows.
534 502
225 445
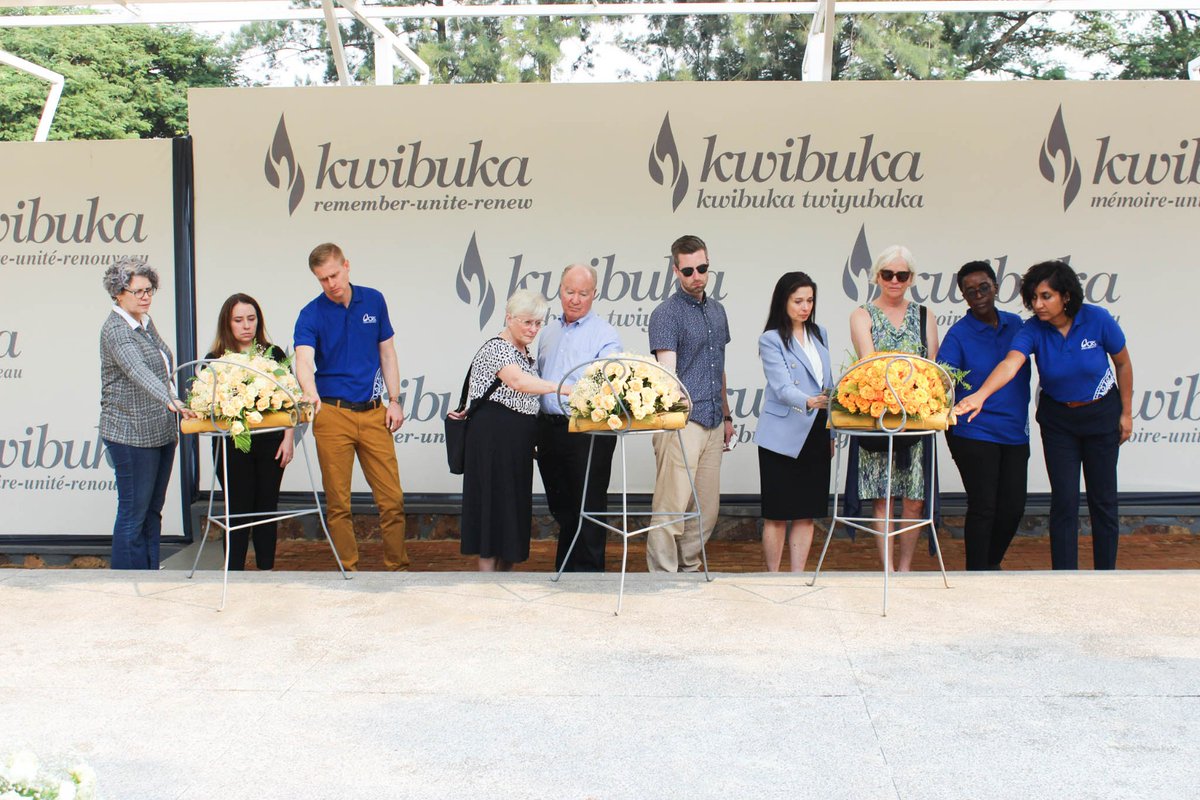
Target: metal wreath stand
252 517
864 523
627 430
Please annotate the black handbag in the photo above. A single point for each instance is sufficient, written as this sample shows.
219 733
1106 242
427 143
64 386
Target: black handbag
456 429
901 444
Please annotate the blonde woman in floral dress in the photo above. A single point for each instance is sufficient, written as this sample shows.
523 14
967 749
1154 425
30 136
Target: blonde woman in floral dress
893 322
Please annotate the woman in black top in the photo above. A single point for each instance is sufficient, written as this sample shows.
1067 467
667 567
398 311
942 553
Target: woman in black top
254 477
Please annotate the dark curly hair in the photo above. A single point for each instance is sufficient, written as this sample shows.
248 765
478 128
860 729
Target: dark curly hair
1059 277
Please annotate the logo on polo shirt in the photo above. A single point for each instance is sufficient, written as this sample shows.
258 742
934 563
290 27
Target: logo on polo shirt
1088 344
369 319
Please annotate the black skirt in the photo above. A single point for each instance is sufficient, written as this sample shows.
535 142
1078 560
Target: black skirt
497 515
797 488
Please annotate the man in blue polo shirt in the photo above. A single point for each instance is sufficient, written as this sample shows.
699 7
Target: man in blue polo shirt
991 451
688 334
345 359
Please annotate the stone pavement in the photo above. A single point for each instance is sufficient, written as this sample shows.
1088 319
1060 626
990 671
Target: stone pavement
459 685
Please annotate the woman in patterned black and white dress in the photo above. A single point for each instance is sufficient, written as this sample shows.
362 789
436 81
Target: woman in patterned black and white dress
497 514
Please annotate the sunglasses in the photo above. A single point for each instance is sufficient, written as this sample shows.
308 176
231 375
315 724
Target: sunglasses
687 271
890 275
983 290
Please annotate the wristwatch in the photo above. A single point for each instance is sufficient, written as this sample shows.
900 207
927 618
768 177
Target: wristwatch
728 418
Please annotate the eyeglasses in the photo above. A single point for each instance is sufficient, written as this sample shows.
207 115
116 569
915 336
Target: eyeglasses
983 290
529 323
687 271
142 294
889 275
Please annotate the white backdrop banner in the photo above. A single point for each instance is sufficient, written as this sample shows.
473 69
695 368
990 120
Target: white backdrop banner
446 198
67 210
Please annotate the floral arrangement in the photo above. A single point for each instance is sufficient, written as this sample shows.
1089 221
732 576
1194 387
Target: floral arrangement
242 396
630 380
920 390
21 778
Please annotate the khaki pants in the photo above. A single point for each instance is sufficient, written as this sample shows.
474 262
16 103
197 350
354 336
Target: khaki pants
340 435
676 547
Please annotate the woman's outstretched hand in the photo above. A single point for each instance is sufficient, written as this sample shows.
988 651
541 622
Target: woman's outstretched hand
970 405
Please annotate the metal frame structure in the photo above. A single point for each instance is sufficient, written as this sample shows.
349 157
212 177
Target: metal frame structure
621 433
867 524
56 81
252 518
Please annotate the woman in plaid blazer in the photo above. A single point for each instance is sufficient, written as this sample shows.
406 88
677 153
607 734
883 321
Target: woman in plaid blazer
137 412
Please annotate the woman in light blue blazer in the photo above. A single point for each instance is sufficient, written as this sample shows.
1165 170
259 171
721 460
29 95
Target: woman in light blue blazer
794 446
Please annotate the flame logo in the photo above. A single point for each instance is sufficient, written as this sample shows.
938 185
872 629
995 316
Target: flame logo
279 153
1057 144
662 151
471 269
858 265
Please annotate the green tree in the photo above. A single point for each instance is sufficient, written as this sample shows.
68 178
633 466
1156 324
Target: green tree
122 82
462 50
1142 45
868 47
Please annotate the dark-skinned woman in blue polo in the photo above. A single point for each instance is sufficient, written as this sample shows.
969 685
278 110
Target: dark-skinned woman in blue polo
1085 407
992 451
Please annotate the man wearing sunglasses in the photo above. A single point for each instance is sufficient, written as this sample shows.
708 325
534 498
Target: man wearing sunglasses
688 334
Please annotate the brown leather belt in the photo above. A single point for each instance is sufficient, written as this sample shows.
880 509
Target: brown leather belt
1082 403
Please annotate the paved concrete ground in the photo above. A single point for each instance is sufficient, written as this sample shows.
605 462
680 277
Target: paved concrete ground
458 685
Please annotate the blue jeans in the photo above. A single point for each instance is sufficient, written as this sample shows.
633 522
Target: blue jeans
142 477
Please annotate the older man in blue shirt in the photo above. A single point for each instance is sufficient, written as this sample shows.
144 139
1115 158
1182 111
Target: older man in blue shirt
688 333
578 336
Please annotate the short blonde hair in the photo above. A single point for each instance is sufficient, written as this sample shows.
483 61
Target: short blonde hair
890 254
323 252
527 302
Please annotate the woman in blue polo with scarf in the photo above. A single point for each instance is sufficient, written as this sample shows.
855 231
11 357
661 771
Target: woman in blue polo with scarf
1085 406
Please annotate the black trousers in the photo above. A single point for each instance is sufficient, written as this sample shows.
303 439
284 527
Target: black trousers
995 477
1087 436
254 480
562 460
